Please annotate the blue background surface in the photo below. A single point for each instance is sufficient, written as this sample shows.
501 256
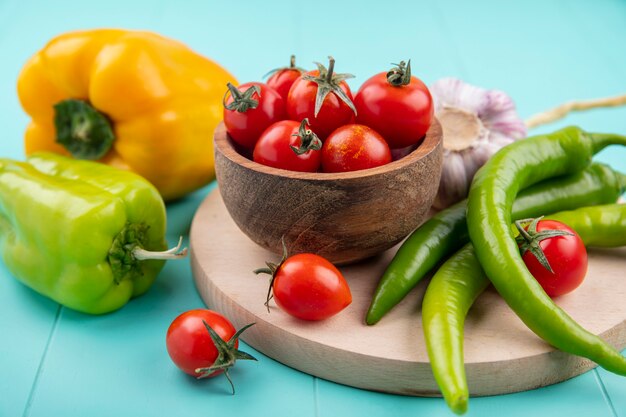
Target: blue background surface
56 362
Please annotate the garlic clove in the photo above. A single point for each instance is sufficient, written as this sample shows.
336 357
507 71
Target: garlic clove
454 183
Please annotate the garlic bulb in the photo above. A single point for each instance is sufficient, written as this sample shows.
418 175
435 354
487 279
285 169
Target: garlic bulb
476 123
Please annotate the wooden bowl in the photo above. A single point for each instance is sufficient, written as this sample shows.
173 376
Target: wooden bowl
344 217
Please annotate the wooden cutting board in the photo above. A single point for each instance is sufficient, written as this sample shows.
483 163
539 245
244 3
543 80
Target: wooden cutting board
501 354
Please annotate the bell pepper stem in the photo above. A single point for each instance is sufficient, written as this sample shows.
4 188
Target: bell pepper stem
173 253
82 129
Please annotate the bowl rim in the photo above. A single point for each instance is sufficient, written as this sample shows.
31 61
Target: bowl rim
224 145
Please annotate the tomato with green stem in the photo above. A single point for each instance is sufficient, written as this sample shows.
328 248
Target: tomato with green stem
204 343
323 97
354 147
289 145
281 79
307 286
397 105
249 110
553 253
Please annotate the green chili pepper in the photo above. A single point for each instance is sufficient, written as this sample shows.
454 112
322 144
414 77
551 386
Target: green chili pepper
491 197
449 295
81 232
598 226
460 280
446 231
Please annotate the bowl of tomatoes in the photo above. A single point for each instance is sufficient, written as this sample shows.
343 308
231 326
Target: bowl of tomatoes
345 177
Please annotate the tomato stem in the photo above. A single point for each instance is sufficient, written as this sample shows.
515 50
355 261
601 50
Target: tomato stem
308 139
331 69
271 269
83 130
327 81
242 101
529 239
292 66
227 354
400 74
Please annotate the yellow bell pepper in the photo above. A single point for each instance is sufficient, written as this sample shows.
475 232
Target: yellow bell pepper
133 100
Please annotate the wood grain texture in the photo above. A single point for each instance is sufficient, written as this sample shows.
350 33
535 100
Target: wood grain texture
501 354
344 217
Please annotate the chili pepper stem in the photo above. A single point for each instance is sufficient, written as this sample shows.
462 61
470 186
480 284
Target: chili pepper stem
564 109
173 253
602 140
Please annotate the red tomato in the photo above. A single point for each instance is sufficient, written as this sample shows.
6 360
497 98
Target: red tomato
566 256
245 122
309 287
282 79
354 147
191 346
334 111
274 147
400 113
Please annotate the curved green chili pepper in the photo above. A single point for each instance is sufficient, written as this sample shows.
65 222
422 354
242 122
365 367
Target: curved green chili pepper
446 231
491 197
460 280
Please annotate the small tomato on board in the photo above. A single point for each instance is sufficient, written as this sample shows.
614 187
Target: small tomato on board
354 147
324 98
307 286
203 343
281 79
289 145
396 105
249 110
554 254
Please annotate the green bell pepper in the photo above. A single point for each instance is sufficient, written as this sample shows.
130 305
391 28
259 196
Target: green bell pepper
82 233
